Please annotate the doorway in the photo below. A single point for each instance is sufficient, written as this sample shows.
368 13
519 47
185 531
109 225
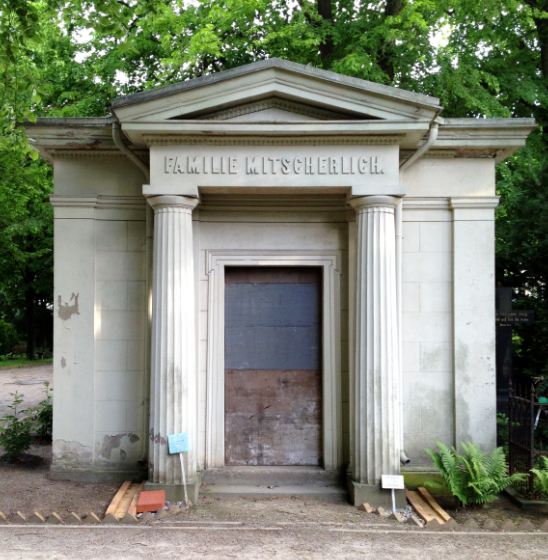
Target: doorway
273 370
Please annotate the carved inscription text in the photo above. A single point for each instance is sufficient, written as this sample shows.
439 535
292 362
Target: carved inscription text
266 165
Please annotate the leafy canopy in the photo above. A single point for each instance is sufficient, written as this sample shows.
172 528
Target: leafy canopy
71 57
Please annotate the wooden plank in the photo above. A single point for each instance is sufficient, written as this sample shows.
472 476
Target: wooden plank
433 504
118 497
132 510
421 507
125 502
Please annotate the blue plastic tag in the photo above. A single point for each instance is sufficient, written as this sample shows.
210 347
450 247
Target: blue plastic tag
178 443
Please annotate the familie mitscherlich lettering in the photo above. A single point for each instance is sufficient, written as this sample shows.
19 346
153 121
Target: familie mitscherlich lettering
270 165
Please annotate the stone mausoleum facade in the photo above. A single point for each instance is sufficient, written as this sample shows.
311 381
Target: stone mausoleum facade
294 267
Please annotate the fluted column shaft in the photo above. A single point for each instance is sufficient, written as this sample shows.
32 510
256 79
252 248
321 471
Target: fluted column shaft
377 382
173 348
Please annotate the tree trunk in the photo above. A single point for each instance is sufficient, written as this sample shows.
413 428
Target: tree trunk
29 314
542 30
386 58
325 9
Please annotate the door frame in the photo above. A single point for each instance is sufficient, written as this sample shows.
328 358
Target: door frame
329 262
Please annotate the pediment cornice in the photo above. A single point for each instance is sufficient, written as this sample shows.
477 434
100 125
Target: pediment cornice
320 90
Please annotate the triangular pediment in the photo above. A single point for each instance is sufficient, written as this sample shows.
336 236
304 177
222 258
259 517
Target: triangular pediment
271 109
275 91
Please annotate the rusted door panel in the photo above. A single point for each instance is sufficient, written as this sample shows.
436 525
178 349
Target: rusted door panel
272 417
272 366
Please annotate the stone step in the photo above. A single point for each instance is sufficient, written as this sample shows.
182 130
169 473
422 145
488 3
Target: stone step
323 493
272 476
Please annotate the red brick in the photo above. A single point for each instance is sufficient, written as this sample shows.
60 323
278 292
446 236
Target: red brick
151 500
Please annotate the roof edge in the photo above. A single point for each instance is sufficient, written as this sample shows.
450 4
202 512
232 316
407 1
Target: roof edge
72 122
277 63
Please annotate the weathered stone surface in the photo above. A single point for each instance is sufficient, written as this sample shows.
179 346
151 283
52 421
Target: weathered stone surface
376 366
173 348
440 302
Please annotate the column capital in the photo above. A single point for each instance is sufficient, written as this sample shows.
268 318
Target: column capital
172 201
378 201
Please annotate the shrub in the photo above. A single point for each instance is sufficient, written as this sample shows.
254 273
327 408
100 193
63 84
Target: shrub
474 477
541 477
43 414
15 429
8 337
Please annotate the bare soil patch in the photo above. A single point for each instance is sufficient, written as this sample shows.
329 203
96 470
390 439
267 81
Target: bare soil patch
26 487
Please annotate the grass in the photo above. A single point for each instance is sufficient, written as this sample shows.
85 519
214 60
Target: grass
24 362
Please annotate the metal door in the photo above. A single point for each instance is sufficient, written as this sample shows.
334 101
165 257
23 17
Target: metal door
273 366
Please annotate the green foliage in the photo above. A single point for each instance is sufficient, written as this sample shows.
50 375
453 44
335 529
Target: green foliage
474 477
8 336
541 477
42 414
482 59
503 431
19 361
15 430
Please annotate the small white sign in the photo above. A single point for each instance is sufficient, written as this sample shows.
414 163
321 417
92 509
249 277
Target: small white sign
393 481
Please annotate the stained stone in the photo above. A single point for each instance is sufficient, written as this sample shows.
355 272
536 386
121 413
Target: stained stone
173 358
377 385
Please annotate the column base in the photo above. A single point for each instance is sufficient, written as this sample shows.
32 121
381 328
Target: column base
176 492
374 495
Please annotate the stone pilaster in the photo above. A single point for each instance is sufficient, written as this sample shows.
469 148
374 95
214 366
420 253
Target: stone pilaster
173 347
377 381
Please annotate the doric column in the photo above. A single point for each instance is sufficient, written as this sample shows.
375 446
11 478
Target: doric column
377 390
173 345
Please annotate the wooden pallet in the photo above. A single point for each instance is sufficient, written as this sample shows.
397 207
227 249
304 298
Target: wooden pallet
125 500
427 507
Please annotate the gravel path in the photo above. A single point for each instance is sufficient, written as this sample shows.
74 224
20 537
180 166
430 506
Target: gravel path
29 381
267 541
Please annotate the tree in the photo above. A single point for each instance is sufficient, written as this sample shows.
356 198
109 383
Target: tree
26 30
482 59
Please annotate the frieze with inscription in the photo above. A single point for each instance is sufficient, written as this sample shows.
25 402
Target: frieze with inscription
361 169
271 165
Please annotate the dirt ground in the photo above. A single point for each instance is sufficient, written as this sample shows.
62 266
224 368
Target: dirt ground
258 542
26 487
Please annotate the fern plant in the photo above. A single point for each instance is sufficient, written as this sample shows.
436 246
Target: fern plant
474 477
541 477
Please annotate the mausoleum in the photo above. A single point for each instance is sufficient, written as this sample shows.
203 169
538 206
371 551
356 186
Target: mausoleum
294 267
